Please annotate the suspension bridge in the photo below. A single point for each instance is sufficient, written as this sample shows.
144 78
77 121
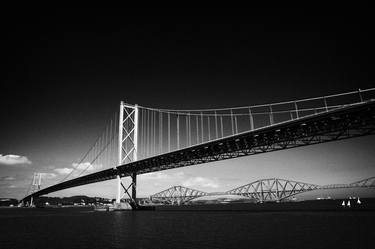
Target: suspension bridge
139 140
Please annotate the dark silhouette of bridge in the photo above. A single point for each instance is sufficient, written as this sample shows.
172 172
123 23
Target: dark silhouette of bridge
145 141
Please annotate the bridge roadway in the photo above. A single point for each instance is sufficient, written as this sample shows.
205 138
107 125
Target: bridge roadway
346 122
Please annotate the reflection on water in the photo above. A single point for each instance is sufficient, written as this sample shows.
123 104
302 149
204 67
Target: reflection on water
76 228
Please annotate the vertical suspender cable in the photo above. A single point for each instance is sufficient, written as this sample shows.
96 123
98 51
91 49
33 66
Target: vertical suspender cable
235 122
360 95
221 124
178 131
251 120
110 145
296 108
271 115
96 160
152 133
107 142
140 132
148 133
154 117
114 156
216 132
105 148
189 138
160 132
197 126
325 104
144 133
202 127
231 119
169 132
209 127
187 130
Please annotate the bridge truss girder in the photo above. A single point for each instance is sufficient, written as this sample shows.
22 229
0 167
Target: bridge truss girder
176 195
369 183
272 189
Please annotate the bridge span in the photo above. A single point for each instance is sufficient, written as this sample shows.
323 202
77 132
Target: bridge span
305 126
263 190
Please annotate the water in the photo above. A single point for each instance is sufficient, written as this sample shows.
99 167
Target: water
78 228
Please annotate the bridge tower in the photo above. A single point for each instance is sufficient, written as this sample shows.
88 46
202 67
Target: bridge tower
35 186
127 148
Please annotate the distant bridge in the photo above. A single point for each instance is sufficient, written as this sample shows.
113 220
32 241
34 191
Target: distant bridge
148 139
263 190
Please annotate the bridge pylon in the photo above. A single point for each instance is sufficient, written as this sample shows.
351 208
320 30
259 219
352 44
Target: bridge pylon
34 187
127 149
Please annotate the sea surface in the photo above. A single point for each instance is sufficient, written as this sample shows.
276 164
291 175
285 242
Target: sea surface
82 228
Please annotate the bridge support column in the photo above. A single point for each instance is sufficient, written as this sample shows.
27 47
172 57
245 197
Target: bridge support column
118 196
134 187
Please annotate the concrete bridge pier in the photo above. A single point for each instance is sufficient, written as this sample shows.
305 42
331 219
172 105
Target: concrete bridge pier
133 196
134 187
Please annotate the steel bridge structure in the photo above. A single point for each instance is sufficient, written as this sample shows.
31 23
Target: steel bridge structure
141 140
273 189
176 195
263 190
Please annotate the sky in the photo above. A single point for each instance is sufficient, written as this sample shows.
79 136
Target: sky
67 70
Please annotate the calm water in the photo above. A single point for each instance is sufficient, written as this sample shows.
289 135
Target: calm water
75 228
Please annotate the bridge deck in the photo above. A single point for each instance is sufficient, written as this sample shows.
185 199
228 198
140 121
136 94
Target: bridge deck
347 122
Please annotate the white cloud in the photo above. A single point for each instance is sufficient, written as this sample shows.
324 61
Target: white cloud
9 178
158 179
162 176
76 169
13 160
63 171
84 166
200 182
48 175
12 186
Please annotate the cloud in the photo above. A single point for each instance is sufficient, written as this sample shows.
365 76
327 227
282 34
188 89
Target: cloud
48 175
77 168
13 160
200 182
162 176
157 179
8 178
84 166
63 171
12 186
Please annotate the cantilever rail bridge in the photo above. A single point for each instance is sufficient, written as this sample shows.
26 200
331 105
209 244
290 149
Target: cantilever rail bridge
148 139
